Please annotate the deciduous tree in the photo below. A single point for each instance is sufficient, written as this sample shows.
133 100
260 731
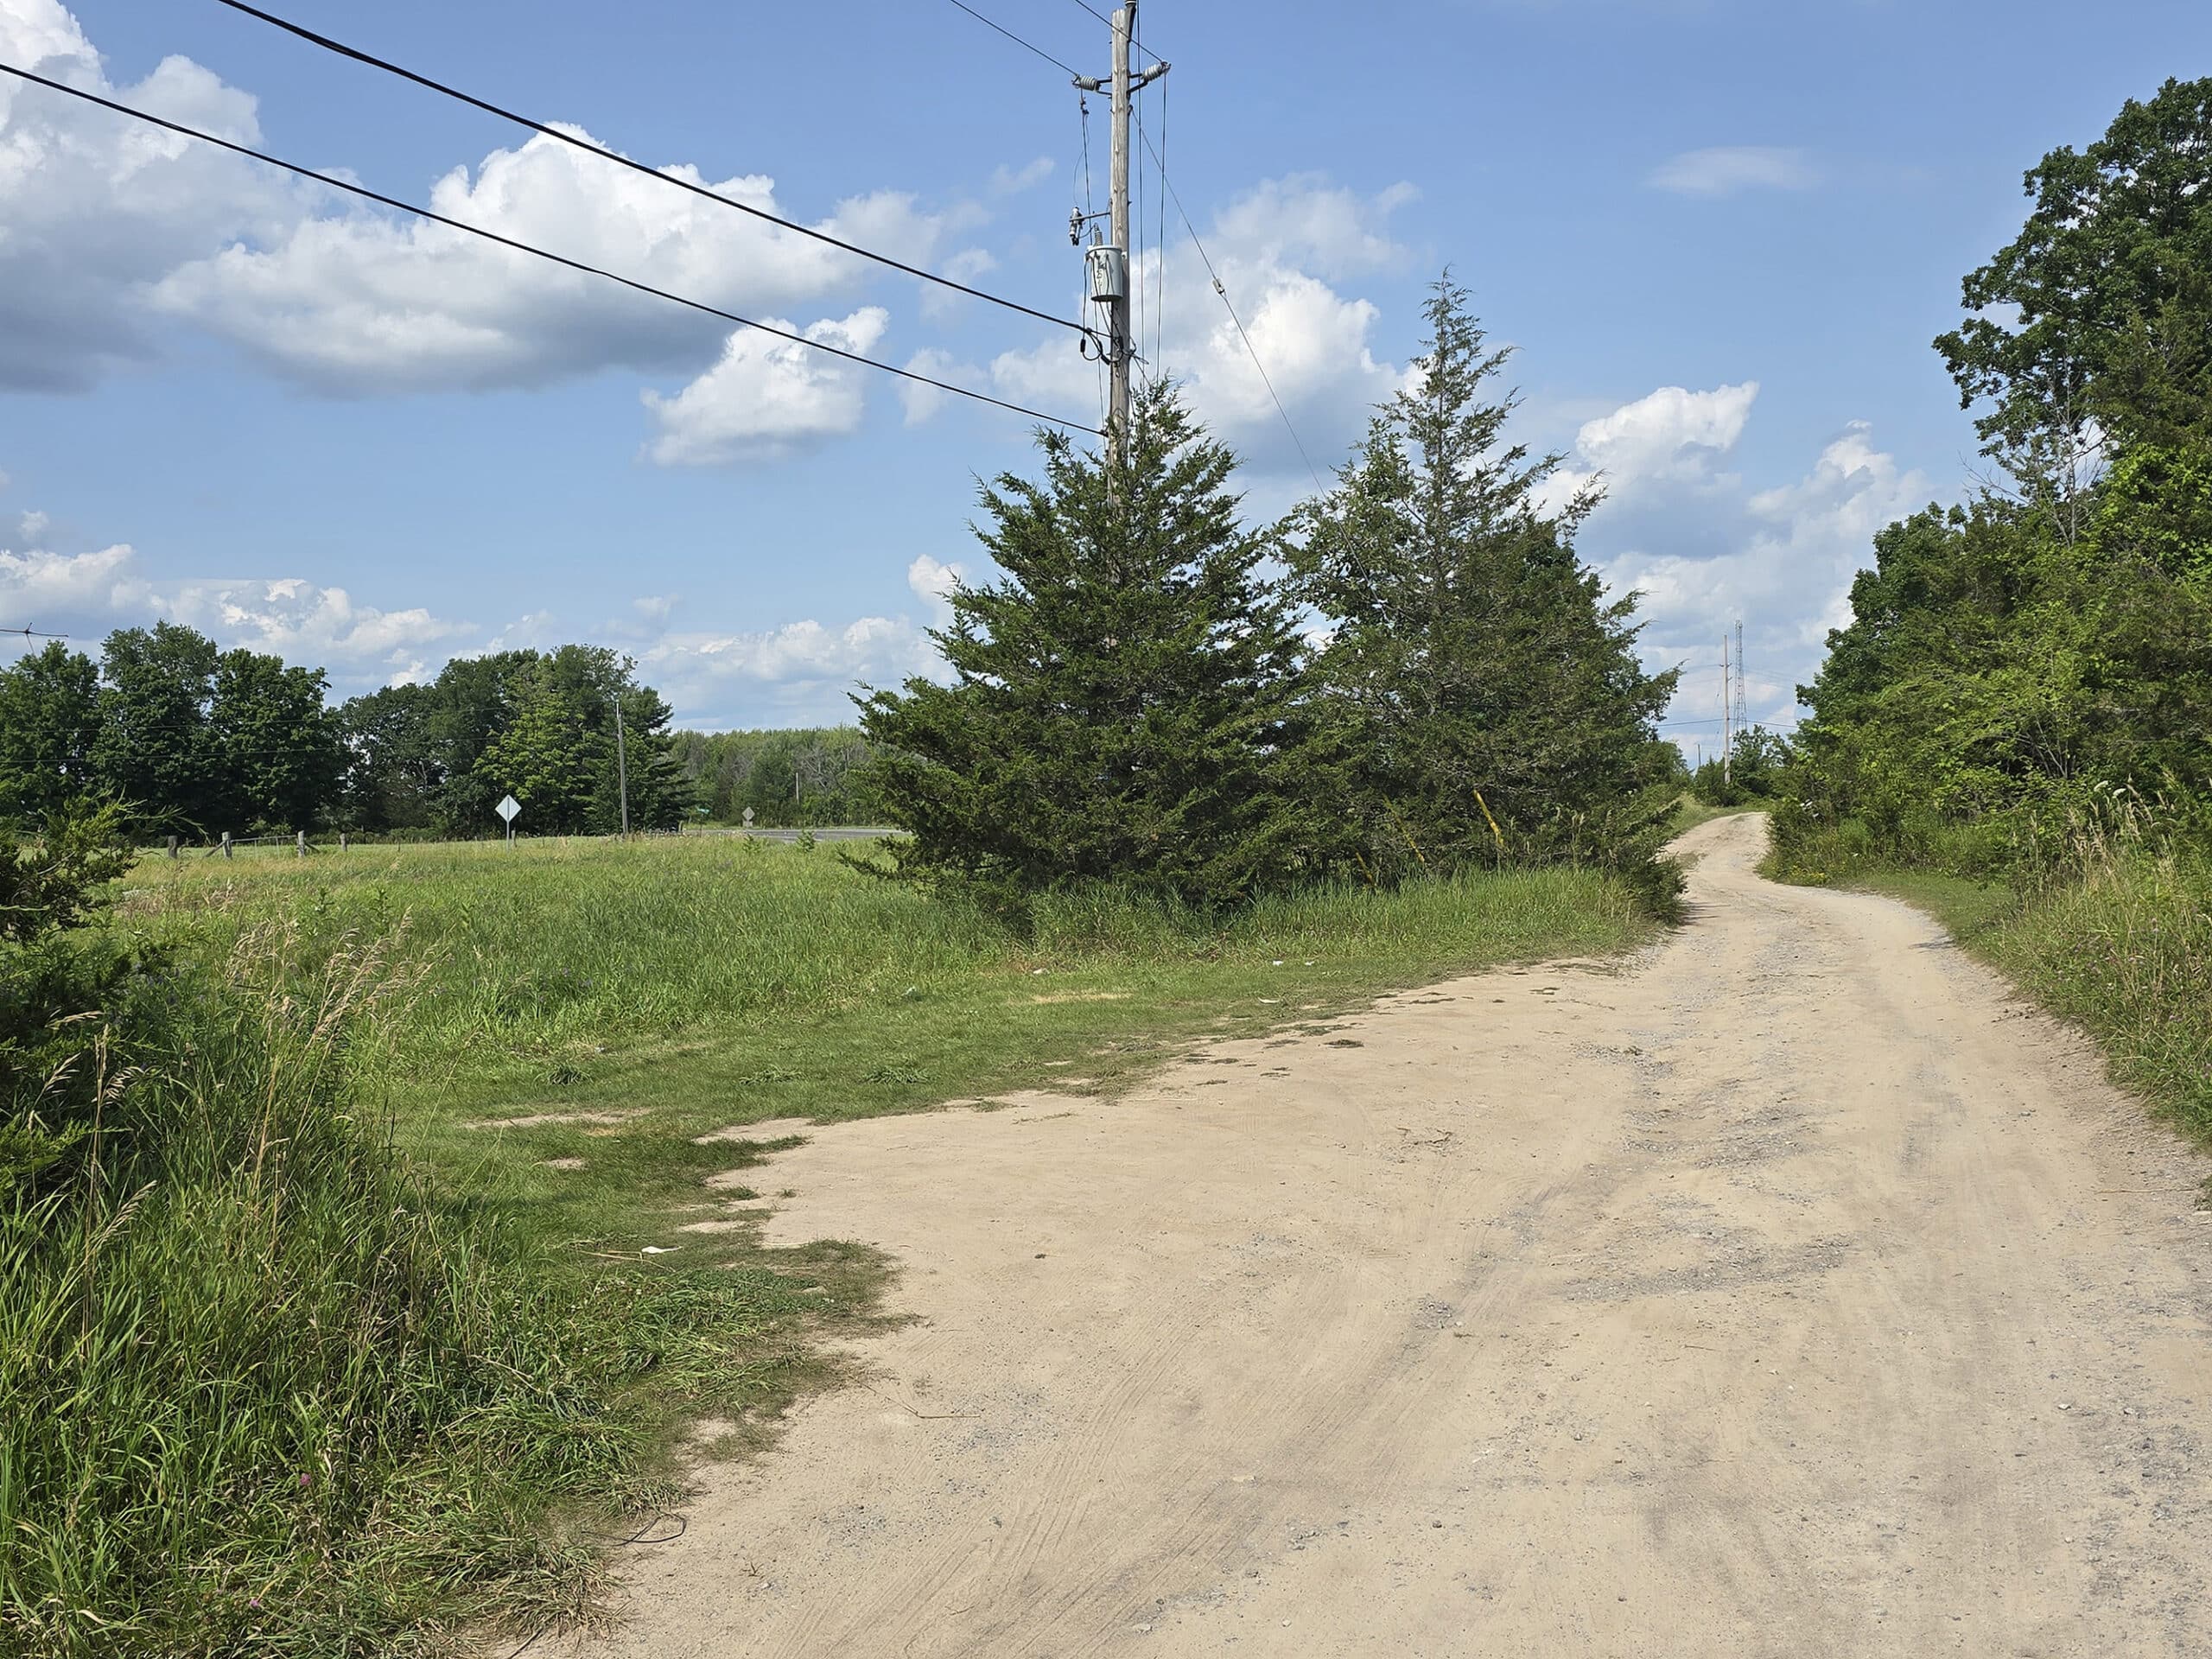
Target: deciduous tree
49 728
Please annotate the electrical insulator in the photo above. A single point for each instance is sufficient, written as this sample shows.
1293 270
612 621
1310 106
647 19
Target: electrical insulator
1109 273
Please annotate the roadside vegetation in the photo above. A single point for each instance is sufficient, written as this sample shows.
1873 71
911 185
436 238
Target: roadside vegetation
2016 725
349 1297
372 1223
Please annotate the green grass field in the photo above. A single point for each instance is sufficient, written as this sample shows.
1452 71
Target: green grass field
369 1328
715 982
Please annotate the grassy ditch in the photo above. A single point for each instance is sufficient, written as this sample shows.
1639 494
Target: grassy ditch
2125 952
372 1306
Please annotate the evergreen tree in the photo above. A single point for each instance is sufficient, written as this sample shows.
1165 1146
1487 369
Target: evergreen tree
49 725
1485 697
1124 703
660 792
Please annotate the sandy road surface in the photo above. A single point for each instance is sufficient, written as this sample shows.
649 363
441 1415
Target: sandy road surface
1794 1293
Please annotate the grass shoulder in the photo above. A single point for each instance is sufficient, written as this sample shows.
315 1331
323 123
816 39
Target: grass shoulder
2125 953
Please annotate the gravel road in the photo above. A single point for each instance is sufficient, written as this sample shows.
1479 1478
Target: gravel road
1791 1292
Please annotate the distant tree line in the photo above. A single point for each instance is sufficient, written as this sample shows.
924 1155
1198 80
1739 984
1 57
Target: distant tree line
1413 674
816 775
196 741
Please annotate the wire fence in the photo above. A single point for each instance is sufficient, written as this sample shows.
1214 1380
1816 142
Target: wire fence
303 844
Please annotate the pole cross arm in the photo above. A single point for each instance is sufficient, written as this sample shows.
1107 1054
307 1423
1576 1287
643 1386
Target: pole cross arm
1137 82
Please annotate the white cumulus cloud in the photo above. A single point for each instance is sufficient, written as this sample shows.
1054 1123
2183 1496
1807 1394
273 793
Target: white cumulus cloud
767 394
800 672
93 205
40 587
86 594
111 229
1012 181
1280 252
1780 559
933 581
363 302
1671 436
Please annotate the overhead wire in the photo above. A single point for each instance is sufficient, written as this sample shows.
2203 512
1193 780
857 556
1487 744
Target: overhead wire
1134 43
588 147
1228 304
1089 213
1160 199
394 202
1029 46
1155 279
1137 277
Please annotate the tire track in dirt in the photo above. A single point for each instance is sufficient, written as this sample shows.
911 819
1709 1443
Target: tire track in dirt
1789 1292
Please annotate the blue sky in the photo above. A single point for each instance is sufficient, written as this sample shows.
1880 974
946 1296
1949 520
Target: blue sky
1720 234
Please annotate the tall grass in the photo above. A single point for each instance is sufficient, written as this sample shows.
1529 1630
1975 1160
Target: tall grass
2126 951
580 946
267 1390
582 943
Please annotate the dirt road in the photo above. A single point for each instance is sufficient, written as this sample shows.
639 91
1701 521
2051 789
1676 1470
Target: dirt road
1793 1292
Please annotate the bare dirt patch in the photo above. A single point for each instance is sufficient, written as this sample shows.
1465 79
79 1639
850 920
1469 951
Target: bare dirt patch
546 1119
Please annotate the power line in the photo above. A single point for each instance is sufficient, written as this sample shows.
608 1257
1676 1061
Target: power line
1159 297
1010 33
570 139
34 633
542 253
1175 196
1108 22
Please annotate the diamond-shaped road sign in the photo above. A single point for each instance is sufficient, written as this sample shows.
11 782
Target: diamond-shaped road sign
508 807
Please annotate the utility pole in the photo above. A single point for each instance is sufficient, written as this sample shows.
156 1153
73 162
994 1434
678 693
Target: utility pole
1743 686
1108 264
1726 710
622 765
1117 404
